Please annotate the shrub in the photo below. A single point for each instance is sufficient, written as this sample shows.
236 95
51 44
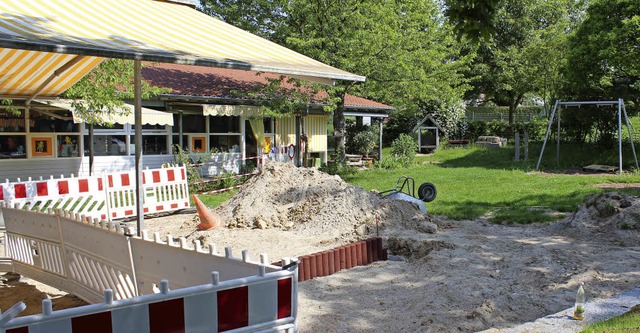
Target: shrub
388 163
399 122
337 169
403 149
365 141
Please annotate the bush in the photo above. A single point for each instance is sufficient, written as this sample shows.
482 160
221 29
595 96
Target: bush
361 139
335 168
404 148
399 122
535 128
388 163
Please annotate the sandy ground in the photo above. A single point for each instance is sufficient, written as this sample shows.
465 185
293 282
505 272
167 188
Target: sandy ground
442 276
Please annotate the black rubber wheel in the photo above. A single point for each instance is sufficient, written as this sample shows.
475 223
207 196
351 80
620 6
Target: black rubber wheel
427 192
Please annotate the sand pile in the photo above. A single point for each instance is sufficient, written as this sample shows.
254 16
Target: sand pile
610 216
290 198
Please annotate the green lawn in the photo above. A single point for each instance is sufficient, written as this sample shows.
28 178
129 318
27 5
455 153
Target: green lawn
474 181
628 322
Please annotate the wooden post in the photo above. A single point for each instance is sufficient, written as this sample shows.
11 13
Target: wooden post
517 146
526 146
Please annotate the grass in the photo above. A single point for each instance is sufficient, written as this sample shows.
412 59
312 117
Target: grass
475 181
472 182
628 322
214 200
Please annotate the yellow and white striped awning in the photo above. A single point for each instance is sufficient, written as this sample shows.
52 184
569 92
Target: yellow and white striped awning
125 114
231 110
47 45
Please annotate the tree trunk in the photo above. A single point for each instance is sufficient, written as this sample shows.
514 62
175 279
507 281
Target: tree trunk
339 125
512 108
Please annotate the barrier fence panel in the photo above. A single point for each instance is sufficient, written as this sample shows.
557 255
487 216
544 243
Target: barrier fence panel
97 257
85 256
6 264
106 197
82 195
164 189
266 302
184 262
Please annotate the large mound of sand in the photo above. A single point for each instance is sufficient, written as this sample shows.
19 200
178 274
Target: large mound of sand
291 198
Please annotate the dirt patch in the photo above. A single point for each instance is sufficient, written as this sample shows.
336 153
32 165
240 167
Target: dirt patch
15 288
443 275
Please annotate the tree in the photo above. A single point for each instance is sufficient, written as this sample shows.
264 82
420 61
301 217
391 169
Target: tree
105 88
405 48
474 19
602 64
518 60
603 54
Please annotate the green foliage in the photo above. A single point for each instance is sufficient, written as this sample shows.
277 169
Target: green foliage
388 163
503 109
286 96
524 51
403 149
450 117
406 49
400 121
9 107
105 88
603 54
473 18
334 168
198 184
362 139
194 178
535 129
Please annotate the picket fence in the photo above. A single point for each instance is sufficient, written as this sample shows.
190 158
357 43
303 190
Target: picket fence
86 256
106 197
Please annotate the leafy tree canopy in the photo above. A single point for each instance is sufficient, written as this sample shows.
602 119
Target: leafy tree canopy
405 48
603 55
474 19
526 48
105 88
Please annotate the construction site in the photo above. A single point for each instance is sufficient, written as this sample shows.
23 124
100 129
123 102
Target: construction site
440 276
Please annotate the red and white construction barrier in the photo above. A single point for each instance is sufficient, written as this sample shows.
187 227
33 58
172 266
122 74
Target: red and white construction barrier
83 195
261 303
165 189
105 197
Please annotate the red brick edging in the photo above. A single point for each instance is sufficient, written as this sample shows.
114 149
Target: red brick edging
343 257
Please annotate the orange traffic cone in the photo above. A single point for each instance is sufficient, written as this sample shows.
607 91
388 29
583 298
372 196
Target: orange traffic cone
208 219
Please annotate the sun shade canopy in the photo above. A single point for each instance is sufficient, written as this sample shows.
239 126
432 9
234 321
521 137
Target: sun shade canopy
47 45
125 114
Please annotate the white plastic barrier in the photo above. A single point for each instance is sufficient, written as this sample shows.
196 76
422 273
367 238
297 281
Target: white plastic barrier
84 256
266 302
185 263
81 258
105 197
81 195
165 189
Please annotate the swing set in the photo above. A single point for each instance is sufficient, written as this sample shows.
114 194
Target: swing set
621 111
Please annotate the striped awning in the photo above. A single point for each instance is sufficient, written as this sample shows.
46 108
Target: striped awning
47 45
231 110
123 116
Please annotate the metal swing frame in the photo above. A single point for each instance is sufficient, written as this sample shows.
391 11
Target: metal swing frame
621 110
